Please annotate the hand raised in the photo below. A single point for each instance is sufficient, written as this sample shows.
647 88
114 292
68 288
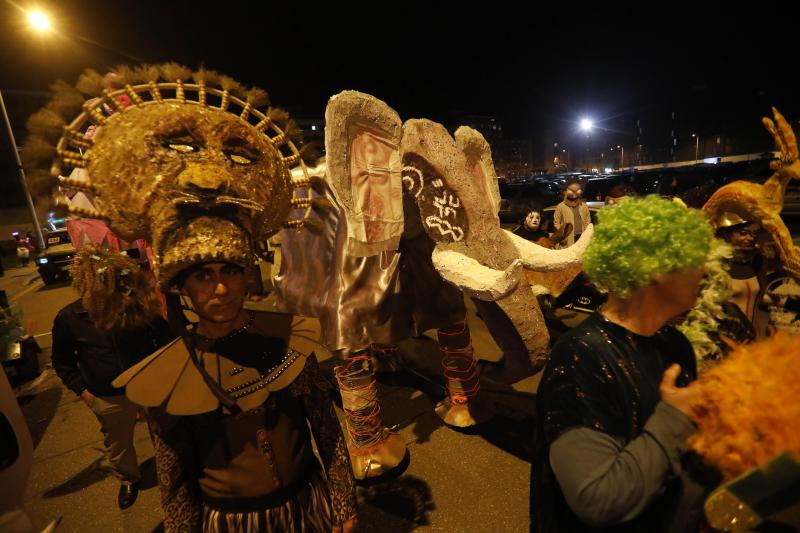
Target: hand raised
789 159
687 400
87 397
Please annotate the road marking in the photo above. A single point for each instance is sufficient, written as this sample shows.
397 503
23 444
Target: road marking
23 292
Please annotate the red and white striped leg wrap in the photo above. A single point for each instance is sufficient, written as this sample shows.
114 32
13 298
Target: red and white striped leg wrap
459 363
360 401
374 450
463 406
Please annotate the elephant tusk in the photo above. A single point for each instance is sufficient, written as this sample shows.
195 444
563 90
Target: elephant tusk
475 279
541 259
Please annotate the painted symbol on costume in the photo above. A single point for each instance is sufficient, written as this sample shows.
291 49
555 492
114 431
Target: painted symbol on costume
446 205
413 181
445 228
440 208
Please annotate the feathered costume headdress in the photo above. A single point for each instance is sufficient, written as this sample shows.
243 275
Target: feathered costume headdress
183 159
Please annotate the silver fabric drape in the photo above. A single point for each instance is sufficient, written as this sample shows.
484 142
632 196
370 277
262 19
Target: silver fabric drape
382 298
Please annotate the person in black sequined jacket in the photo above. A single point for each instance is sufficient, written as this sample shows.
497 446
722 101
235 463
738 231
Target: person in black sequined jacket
616 397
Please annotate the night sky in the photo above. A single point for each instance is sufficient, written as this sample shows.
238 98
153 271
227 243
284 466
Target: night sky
538 72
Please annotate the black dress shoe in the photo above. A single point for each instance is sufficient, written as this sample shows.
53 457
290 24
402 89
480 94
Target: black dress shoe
127 494
504 372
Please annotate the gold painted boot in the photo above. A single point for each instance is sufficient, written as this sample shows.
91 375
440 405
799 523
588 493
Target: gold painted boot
374 450
464 406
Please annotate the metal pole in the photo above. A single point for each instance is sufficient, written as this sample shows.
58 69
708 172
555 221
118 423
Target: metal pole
696 147
622 158
37 228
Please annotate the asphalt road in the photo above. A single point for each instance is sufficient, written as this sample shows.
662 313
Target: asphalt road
455 481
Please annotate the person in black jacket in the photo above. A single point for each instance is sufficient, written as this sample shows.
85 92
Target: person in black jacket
114 324
530 226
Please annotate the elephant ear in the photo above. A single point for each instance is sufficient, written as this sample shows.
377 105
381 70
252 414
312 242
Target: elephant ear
479 157
362 143
453 203
472 251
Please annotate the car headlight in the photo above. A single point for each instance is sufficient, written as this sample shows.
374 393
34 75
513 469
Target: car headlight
42 261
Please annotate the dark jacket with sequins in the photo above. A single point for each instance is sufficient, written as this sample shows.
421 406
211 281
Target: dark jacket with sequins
604 378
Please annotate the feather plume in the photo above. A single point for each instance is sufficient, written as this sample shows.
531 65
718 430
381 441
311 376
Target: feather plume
67 101
37 152
90 83
46 124
257 97
175 71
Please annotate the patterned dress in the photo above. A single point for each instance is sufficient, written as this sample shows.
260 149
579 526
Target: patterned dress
252 470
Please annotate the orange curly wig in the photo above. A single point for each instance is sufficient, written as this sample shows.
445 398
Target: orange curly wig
752 406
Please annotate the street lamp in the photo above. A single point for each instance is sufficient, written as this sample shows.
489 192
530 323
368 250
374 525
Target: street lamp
586 126
39 21
696 146
28 198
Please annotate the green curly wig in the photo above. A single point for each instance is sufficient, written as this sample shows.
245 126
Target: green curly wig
642 238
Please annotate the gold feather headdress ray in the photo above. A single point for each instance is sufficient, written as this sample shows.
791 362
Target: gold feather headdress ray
55 137
127 98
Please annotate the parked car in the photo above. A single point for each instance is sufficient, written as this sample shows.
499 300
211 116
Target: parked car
53 262
16 459
596 189
521 199
694 184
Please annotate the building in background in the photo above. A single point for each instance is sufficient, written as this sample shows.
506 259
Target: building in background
513 158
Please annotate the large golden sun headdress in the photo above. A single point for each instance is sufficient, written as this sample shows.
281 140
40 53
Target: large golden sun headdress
184 159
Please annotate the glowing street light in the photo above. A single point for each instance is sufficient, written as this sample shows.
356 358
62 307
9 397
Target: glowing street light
39 21
586 124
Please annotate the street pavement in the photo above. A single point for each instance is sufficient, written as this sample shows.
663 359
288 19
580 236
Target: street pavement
455 481
18 280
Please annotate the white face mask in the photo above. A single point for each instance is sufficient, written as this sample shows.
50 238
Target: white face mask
533 220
